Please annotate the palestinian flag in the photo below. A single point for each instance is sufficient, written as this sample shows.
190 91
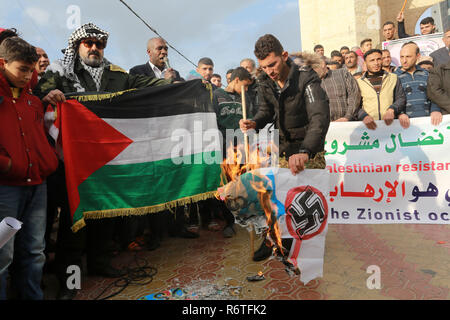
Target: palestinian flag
140 151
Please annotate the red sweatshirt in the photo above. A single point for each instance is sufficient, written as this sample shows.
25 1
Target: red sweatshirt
22 139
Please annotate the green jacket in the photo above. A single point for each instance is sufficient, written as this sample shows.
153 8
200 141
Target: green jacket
228 108
114 79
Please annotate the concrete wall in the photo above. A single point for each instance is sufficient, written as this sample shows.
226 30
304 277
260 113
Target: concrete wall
327 23
335 23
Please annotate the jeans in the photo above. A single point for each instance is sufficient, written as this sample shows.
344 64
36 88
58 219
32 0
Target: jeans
24 253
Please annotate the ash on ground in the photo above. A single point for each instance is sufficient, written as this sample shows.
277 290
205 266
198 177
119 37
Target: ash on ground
204 290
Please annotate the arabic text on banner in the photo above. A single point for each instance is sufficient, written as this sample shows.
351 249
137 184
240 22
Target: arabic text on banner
389 175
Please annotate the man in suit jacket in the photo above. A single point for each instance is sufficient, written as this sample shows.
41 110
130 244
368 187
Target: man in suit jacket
442 55
157 66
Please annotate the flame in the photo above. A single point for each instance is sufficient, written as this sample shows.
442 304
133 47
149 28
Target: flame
234 166
260 273
235 163
274 229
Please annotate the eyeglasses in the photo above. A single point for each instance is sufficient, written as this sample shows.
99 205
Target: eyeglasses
88 43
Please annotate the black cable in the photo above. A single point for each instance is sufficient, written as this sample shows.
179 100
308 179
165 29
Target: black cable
157 33
134 276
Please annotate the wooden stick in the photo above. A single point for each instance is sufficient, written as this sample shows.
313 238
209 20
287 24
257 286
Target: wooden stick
244 116
404 5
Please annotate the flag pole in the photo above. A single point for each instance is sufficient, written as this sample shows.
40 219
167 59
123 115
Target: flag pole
404 5
244 117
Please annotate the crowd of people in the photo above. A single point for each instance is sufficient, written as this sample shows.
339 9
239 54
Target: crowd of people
300 93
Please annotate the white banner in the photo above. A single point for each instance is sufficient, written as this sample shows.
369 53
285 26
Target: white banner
427 44
389 175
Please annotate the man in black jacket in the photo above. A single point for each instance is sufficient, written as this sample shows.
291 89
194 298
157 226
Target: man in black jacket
294 100
158 65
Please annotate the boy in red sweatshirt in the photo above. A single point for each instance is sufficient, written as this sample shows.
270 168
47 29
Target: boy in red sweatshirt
26 159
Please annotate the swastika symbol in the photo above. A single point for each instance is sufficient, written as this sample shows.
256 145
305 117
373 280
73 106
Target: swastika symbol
307 212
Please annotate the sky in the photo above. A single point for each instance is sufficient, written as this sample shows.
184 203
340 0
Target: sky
224 31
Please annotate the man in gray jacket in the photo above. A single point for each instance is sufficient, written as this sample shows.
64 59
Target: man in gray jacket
442 55
438 89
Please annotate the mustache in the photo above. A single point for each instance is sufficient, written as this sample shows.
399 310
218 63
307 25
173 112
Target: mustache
94 52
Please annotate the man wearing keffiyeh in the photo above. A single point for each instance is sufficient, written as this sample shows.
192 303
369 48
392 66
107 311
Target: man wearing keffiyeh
83 69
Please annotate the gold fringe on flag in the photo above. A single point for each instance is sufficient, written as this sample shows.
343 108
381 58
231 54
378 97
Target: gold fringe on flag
121 212
99 97
209 87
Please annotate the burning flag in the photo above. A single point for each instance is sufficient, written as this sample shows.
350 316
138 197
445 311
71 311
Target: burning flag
292 210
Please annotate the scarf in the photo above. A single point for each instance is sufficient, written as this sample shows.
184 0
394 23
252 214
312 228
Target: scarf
65 66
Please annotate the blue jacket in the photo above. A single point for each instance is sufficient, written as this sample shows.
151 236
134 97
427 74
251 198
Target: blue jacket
415 88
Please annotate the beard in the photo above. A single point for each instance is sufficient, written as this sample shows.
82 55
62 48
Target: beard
93 59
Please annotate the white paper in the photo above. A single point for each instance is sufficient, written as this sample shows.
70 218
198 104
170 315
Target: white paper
8 228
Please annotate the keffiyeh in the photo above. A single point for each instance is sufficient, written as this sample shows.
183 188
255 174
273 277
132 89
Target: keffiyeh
88 30
96 73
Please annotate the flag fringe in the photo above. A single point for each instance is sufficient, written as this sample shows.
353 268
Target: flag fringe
78 225
112 213
99 97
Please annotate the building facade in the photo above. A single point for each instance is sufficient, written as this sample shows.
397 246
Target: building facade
337 23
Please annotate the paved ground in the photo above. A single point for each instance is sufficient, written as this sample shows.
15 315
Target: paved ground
414 262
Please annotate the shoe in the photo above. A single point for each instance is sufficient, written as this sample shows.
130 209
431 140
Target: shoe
264 251
107 272
214 226
67 294
188 235
193 228
228 232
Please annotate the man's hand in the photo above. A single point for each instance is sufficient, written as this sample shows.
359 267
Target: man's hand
404 120
297 162
170 74
247 125
389 116
400 17
54 96
341 120
436 118
370 123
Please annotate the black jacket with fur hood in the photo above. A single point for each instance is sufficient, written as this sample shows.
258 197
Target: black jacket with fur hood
300 110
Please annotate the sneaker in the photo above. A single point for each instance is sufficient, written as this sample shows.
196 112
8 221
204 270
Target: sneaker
264 251
193 228
228 232
214 226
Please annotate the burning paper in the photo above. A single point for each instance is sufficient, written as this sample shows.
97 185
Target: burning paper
8 228
292 210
